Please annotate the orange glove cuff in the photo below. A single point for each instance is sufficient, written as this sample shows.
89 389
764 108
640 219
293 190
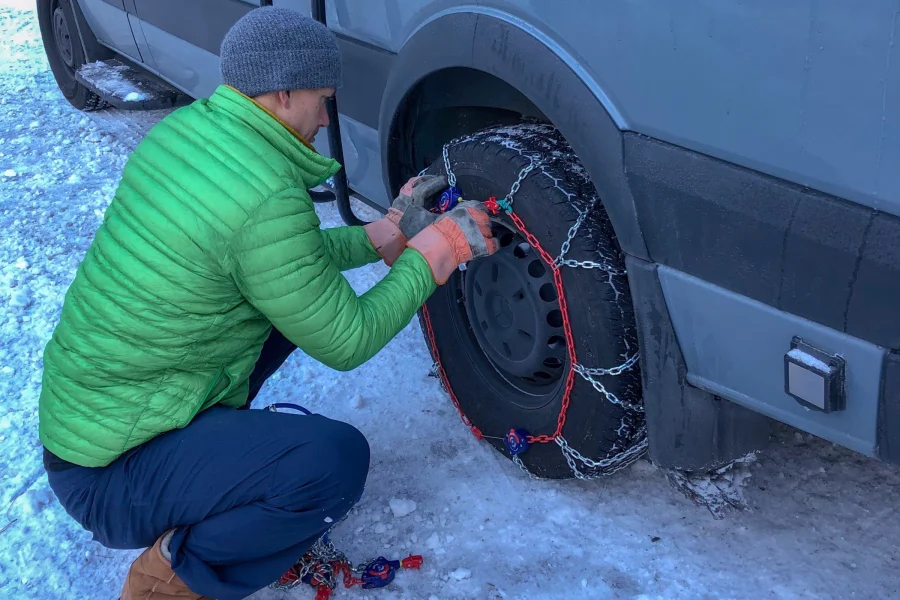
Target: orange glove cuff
438 251
462 251
386 237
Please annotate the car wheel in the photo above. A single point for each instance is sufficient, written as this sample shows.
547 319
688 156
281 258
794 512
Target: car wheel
496 329
65 54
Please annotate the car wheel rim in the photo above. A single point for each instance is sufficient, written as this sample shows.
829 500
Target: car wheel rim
62 38
514 313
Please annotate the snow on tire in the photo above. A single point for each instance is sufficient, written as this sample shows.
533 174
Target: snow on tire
498 326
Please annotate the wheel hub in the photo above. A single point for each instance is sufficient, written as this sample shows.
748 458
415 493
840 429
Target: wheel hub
501 310
62 38
514 312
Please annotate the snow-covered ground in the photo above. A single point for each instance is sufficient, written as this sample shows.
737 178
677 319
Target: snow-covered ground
820 522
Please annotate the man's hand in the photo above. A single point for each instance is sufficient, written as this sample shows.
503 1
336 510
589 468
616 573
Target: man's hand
407 216
410 210
418 190
455 238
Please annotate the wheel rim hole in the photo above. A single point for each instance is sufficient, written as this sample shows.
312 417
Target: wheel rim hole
541 376
553 363
548 292
506 238
523 250
536 269
556 342
554 318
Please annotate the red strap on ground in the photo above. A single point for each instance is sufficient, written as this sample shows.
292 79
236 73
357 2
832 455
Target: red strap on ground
567 328
323 593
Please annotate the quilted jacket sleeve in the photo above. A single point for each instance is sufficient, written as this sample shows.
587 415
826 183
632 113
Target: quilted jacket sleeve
288 269
349 247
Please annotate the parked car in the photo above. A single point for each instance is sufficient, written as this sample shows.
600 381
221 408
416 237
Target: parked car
723 176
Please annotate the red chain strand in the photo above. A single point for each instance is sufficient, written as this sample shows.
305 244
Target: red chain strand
567 328
429 331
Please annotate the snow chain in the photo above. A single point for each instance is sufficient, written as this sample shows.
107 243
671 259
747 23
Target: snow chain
518 441
323 564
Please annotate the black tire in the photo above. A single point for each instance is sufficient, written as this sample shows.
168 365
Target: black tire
492 392
65 53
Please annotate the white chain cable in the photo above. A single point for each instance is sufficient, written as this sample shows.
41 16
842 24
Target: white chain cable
506 203
561 260
518 460
318 558
606 466
606 393
451 178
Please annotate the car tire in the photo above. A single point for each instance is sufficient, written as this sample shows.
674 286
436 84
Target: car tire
65 53
512 373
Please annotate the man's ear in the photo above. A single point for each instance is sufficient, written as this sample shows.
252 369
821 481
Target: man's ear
284 98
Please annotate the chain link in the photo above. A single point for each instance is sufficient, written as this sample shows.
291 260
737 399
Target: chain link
588 264
507 202
581 370
518 460
593 469
562 261
573 231
319 559
451 177
606 466
615 371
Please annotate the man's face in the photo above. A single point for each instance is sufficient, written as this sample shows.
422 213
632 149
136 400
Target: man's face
304 111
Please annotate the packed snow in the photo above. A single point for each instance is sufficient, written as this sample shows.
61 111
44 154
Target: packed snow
803 519
809 360
111 79
402 507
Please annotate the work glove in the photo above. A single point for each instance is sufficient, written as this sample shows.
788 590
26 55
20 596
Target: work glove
407 216
410 210
455 238
418 190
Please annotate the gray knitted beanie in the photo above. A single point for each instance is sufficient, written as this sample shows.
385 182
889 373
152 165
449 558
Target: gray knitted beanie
276 49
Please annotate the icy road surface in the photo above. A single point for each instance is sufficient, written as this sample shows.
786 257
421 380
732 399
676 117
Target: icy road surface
820 522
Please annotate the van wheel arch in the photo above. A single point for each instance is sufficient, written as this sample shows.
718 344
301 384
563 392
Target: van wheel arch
556 93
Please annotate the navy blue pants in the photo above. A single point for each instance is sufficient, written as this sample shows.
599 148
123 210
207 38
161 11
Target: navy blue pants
248 491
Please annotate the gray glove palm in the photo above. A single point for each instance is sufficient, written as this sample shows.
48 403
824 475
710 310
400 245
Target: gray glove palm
413 200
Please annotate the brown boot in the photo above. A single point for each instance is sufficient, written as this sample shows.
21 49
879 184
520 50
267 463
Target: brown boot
151 577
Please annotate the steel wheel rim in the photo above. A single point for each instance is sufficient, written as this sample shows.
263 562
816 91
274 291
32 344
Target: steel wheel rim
514 314
62 38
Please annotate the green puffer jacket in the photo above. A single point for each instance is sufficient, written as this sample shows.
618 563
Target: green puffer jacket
211 240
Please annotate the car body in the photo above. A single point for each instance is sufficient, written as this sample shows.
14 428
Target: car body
746 153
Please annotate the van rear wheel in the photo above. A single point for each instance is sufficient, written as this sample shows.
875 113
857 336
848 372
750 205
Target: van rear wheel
498 326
